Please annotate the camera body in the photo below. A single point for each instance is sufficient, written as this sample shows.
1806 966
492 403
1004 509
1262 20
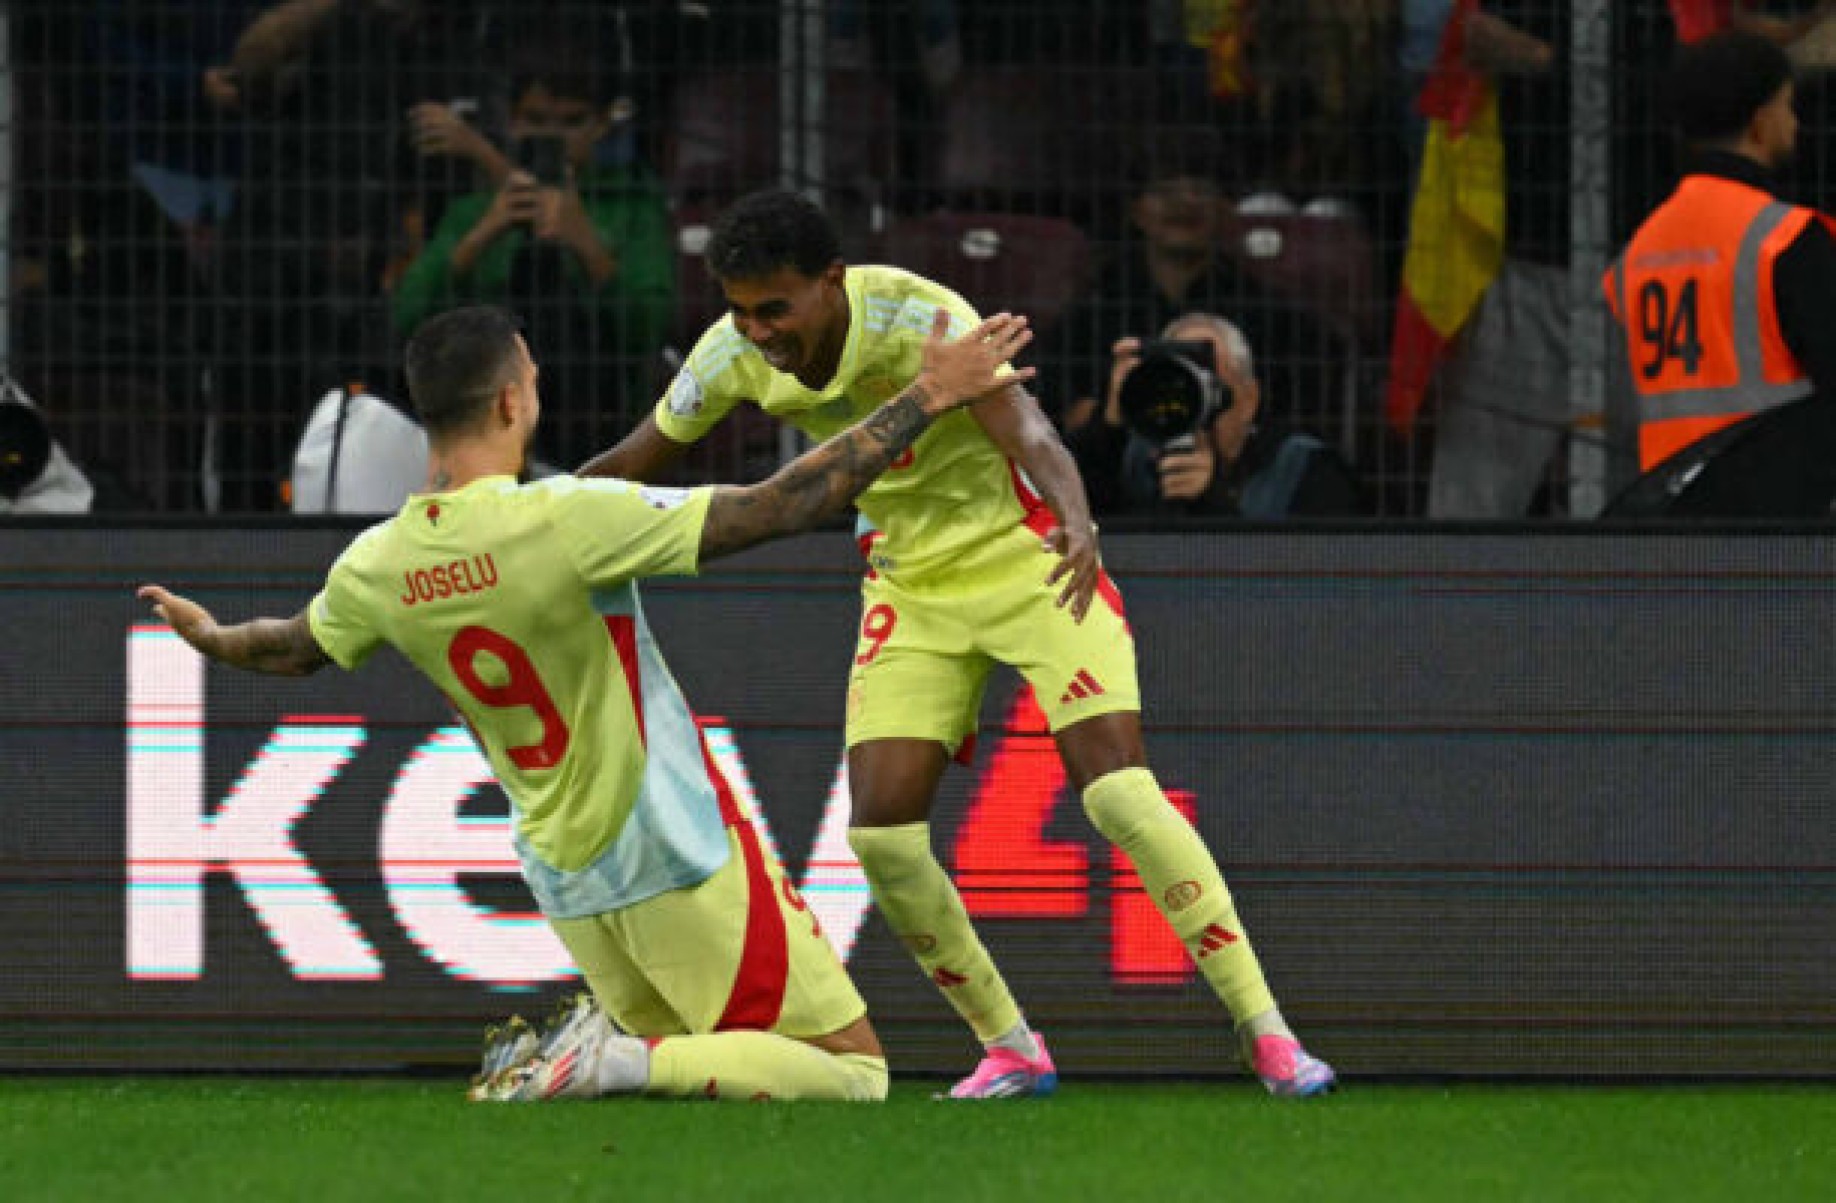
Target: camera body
1173 393
543 156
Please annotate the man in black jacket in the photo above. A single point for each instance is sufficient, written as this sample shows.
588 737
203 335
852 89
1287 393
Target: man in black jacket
1236 463
1727 299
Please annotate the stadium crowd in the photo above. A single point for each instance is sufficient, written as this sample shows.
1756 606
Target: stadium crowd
224 212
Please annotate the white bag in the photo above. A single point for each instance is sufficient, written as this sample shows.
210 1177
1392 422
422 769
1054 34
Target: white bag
358 455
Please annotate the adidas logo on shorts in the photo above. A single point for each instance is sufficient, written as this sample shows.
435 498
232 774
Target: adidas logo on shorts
1082 686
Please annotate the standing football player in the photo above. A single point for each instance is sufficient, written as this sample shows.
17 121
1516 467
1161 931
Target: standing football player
980 549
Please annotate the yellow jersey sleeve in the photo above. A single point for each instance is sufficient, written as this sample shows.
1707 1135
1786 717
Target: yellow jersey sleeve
616 531
339 619
718 374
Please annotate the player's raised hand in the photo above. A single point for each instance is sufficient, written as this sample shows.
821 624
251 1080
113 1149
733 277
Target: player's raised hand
283 646
192 621
1078 566
956 373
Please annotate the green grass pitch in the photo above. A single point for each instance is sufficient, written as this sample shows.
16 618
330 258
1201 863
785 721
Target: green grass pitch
191 1139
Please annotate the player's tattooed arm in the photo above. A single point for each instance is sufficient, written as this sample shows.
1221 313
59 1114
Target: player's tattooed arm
281 646
820 484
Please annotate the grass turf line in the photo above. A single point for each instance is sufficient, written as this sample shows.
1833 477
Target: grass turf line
152 1139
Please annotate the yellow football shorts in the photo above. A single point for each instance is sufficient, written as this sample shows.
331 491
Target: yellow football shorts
740 951
924 653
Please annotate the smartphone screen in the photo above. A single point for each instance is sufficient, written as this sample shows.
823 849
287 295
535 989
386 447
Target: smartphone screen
543 156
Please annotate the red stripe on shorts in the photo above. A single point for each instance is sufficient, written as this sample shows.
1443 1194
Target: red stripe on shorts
1106 589
1039 519
757 998
764 969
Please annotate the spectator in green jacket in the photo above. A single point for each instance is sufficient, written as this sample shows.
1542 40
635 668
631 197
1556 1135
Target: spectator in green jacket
575 238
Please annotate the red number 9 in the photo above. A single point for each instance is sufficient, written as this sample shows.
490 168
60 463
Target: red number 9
524 688
876 628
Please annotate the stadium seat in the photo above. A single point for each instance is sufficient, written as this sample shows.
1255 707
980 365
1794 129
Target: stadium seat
698 297
1025 264
720 134
859 149
1037 141
1325 264
724 132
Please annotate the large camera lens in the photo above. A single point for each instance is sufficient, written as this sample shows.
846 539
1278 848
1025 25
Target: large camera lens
25 447
1164 396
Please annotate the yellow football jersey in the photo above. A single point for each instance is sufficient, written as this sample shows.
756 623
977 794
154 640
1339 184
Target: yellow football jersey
950 494
519 602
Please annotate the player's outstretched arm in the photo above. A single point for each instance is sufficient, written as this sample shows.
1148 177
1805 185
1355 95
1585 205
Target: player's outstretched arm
820 483
282 646
641 455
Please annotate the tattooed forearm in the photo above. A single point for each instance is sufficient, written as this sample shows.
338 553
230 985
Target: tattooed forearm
898 423
820 483
283 646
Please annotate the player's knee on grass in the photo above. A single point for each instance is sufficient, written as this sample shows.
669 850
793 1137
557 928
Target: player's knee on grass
762 1065
867 1077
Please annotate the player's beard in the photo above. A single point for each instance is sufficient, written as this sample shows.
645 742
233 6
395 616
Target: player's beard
784 354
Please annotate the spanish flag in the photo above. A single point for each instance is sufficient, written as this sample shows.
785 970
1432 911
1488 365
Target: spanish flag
1697 19
1457 224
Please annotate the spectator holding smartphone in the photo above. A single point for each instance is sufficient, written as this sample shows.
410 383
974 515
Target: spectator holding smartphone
580 248
446 130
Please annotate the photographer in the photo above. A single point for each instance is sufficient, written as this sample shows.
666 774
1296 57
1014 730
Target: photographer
1178 434
575 239
36 477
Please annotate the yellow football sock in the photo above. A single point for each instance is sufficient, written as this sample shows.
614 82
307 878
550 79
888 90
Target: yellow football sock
927 914
1183 880
761 1065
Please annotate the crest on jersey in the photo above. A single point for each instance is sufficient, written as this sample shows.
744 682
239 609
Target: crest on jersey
662 499
684 398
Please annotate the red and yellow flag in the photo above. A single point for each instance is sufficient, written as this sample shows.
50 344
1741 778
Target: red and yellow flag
1457 223
1697 19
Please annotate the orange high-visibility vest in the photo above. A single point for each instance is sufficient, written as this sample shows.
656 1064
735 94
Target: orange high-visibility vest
1693 293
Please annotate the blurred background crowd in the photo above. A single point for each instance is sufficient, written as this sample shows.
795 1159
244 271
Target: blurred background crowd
219 219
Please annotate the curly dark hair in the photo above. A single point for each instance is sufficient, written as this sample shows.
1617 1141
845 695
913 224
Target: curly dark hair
764 231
